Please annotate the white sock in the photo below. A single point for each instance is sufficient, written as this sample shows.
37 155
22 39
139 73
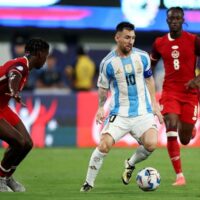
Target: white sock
96 161
140 155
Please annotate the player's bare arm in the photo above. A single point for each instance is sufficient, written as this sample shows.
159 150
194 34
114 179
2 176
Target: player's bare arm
151 87
14 78
195 83
103 93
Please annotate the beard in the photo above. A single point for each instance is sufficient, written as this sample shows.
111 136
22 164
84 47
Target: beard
126 51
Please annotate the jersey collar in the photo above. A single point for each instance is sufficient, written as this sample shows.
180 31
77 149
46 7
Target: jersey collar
27 61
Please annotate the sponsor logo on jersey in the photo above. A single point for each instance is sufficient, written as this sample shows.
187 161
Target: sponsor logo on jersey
20 68
175 54
175 47
118 71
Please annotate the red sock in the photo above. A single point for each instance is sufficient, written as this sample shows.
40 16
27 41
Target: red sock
174 153
2 173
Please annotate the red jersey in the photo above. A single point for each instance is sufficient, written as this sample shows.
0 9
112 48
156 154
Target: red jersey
21 66
179 56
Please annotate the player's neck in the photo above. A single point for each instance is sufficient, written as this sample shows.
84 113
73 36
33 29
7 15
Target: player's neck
122 54
175 34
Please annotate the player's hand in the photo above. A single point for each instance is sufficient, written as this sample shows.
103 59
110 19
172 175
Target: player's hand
194 83
156 111
17 98
100 117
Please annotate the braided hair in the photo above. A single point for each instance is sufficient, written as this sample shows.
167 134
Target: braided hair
34 45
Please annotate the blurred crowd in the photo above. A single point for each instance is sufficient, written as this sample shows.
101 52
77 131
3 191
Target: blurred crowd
77 73
73 70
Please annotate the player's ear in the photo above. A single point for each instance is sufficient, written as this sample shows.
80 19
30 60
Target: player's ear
116 37
167 21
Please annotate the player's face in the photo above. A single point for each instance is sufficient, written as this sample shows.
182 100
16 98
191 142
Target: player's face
41 59
125 40
175 20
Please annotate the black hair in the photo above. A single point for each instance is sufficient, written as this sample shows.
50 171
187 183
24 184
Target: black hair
80 50
36 44
125 25
176 8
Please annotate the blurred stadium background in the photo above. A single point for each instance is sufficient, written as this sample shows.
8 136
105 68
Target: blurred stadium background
61 116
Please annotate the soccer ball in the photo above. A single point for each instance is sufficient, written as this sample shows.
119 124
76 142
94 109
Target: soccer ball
148 179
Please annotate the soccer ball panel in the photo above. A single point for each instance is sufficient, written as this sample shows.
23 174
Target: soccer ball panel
148 179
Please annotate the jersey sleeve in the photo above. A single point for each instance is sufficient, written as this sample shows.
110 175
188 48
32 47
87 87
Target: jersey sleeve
147 66
19 68
104 75
155 55
197 46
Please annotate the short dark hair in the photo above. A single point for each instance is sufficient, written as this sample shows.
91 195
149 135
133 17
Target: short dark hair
125 25
80 50
176 8
36 44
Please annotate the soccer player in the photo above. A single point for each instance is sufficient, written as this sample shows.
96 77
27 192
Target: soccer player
126 72
179 100
13 76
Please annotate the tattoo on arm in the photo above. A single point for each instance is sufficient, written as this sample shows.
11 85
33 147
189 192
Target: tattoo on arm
102 96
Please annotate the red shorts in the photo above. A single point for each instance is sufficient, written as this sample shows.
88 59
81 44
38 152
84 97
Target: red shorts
184 105
9 115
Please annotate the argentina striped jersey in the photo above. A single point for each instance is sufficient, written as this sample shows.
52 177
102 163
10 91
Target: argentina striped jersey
125 77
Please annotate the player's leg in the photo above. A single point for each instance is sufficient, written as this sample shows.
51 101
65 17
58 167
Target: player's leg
15 140
146 133
188 119
96 161
19 127
185 132
28 144
173 147
110 134
171 111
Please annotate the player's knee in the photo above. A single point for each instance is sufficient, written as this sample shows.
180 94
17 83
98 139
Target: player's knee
104 147
106 143
184 141
151 146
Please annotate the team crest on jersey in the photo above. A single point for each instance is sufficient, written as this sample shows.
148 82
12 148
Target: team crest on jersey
128 68
175 54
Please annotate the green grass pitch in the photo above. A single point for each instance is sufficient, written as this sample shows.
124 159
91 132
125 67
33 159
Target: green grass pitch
57 174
